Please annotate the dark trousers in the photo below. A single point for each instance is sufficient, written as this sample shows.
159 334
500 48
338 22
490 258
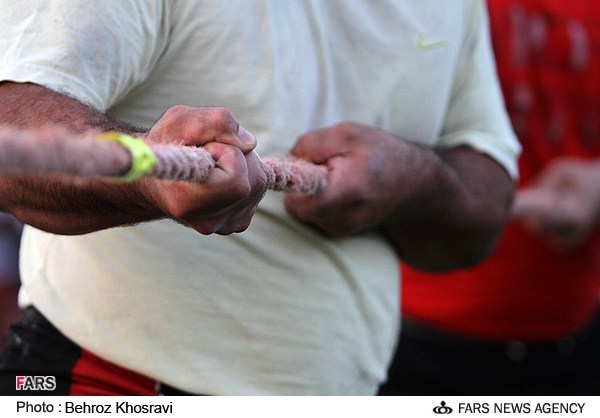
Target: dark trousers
433 362
37 359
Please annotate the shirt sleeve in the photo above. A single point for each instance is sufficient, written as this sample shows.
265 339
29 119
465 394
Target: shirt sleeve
476 115
93 50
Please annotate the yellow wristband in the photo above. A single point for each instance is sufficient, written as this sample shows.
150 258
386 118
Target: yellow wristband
142 156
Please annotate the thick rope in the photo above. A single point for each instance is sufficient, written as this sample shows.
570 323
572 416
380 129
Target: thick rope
54 150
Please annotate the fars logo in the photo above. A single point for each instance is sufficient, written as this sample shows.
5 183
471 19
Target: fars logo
35 383
443 409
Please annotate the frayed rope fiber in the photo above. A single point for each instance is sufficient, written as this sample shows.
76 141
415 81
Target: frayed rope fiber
117 157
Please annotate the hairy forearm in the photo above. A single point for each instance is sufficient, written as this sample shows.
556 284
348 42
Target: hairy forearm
58 204
27 105
458 208
64 206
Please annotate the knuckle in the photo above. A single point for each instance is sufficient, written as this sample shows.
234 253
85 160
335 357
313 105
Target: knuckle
178 111
344 129
206 228
224 120
241 225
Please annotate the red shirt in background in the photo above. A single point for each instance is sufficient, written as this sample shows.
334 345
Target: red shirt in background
548 57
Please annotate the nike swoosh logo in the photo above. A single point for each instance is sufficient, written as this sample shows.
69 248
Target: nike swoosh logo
423 43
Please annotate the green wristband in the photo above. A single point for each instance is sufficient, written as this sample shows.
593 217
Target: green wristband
142 156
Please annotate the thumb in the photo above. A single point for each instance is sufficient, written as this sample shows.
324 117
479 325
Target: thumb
246 140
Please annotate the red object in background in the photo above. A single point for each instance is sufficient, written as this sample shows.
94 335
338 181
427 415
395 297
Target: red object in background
548 56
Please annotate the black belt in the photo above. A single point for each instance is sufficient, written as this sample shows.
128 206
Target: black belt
514 350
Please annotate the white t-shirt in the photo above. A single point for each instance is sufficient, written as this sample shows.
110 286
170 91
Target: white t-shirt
278 309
